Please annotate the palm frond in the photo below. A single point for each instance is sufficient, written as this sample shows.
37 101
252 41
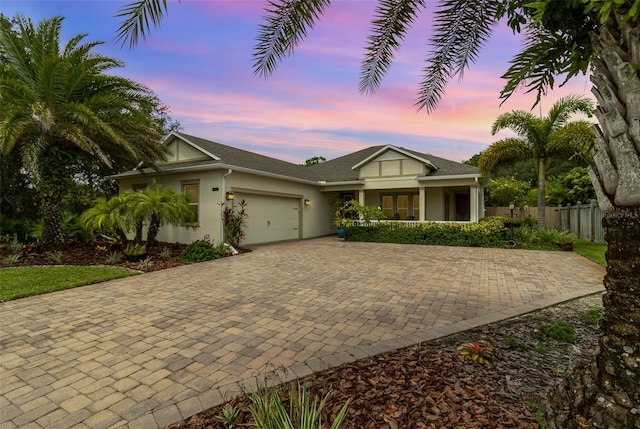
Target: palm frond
544 56
461 29
562 109
574 141
502 152
519 121
287 23
138 18
392 19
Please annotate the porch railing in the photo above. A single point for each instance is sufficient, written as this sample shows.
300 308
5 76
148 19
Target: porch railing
408 223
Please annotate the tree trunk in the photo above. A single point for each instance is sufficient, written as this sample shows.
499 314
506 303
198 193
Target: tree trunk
51 218
154 227
606 392
541 192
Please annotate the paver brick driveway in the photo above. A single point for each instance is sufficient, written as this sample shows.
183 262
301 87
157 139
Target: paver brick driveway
150 350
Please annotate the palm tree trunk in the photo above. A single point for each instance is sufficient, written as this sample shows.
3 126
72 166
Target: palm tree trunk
51 218
541 192
154 227
606 392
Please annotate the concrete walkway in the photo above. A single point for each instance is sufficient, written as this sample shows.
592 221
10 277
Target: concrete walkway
150 350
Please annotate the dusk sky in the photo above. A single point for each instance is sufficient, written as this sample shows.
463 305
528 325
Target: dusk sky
199 63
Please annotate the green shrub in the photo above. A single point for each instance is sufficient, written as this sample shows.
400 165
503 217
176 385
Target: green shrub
200 251
514 343
561 331
489 233
592 316
555 236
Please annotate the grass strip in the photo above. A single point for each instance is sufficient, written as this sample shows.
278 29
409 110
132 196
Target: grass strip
20 282
590 250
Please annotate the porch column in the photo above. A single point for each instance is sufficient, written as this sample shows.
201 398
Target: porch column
473 203
361 197
423 204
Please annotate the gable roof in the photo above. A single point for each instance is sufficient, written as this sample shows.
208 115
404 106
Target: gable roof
345 168
341 169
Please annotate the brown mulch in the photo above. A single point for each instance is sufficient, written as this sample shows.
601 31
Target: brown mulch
80 253
424 386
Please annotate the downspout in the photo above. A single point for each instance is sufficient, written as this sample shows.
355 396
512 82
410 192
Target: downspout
476 209
223 186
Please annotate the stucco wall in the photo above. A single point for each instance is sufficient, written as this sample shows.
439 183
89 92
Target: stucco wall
434 199
315 218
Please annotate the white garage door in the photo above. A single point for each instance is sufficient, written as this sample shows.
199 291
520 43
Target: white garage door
270 218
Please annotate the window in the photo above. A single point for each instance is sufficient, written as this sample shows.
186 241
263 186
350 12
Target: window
387 206
192 191
416 207
403 206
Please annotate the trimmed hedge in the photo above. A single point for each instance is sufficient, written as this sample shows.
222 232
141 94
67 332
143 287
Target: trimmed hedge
491 232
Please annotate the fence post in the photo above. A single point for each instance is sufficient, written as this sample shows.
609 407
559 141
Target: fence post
592 220
569 216
559 210
578 224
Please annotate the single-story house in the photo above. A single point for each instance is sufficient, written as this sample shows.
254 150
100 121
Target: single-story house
286 201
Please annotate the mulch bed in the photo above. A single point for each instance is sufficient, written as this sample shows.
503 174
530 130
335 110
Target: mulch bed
424 386
80 253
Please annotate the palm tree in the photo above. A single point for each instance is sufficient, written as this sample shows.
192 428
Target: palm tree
158 205
111 214
540 140
562 38
58 105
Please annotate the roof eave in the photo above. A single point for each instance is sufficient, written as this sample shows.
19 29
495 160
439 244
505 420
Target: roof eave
448 177
211 167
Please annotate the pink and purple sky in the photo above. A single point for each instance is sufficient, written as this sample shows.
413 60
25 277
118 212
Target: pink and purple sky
199 62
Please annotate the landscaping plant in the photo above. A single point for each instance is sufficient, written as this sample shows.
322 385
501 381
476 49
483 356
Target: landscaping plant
269 412
201 251
229 416
477 353
234 218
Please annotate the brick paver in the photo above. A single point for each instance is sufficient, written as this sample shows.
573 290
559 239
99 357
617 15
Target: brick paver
149 350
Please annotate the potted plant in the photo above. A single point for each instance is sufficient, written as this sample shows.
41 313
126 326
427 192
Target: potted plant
351 210
135 252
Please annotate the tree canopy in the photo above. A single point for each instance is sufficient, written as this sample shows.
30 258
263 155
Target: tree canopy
62 109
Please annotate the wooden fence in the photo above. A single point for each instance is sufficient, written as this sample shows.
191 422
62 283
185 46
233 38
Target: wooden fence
584 220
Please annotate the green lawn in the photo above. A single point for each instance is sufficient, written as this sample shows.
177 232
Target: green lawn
20 282
593 251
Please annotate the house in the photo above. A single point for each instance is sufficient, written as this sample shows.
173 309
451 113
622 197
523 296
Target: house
286 201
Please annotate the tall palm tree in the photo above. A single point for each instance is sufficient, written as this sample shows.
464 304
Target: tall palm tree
563 38
540 139
58 105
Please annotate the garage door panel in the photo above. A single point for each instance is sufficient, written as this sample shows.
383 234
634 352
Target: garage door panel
271 218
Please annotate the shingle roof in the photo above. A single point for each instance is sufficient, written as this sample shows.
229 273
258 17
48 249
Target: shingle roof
251 160
340 169
335 170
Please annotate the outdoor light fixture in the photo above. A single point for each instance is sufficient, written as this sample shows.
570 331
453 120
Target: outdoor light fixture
230 196
307 202
512 206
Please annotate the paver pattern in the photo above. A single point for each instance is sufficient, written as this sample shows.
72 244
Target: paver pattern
150 350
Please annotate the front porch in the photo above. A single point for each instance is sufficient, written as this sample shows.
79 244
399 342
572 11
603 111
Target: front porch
423 203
